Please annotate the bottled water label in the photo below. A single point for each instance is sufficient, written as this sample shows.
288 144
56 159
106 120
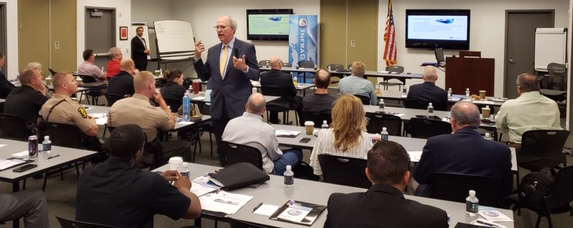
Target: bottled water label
289 180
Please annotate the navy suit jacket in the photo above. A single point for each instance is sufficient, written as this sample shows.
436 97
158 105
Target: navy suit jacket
138 53
5 86
429 92
282 80
465 152
381 206
229 94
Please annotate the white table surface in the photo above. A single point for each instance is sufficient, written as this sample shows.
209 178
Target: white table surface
273 192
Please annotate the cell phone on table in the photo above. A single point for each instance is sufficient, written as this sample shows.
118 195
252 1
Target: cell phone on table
304 140
25 168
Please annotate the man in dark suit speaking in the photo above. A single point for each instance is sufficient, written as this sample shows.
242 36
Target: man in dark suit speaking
228 74
139 50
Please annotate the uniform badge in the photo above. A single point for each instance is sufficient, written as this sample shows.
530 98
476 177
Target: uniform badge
83 112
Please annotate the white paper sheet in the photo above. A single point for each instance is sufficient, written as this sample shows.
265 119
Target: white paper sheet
225 202
493 215
202 186
266 209
286 133
415 156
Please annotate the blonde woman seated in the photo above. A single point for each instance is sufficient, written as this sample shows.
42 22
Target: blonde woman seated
347 137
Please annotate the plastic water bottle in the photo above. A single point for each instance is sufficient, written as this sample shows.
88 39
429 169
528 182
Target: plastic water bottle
102 69
160 73
186 108
488 136
295 80
184 170
190 90
449 93
289 177
472 204
381 104
468 95
254 90
384 134
324 124
46 144
430 109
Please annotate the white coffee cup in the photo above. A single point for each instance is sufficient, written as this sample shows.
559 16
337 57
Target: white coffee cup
175 162
309 127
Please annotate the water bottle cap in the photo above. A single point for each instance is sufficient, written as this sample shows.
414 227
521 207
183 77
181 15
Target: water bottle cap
184 164
430 104
47 137
381 100
324 122
383 128
472 193
288 168
487 134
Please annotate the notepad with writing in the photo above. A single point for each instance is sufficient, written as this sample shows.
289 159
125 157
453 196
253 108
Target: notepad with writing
298 212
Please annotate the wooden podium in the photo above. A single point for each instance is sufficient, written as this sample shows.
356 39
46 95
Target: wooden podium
470 71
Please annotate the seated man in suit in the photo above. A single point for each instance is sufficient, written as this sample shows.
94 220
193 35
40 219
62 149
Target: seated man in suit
27 100
88 68
428 91
5 86
383 205
320 101
281 81
357 85
530 111
118 193
249 129
122 83
113 66
464 152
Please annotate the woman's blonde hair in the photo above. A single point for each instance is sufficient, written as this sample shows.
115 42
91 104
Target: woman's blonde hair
348 122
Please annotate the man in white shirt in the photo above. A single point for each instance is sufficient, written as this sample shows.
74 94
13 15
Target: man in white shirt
357 85
249 129
530 111
88 68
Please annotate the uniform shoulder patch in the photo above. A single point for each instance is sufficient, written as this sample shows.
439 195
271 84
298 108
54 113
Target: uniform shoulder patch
83 112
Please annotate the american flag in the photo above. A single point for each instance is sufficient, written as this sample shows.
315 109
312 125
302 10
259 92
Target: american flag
390 38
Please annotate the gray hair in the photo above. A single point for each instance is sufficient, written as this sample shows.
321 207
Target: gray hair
466 113
256 103
430 72
528 82
35 65
113 52
232 21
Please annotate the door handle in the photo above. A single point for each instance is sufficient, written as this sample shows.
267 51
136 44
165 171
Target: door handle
511 61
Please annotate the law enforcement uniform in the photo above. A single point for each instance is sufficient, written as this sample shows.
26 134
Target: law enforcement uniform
138 110
66 111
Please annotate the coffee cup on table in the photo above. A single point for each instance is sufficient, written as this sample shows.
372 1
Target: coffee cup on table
486 112
175 162
482 94
309 127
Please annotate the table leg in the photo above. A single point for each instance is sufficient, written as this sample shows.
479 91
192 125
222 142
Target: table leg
16 188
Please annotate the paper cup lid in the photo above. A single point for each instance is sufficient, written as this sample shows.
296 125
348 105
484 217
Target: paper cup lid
308 123
176 159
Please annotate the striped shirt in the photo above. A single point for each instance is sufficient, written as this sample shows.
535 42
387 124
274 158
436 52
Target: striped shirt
325 145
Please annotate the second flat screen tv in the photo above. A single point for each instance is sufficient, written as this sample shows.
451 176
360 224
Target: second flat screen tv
448 29
268 24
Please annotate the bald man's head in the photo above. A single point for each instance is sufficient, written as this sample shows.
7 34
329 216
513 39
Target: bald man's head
142 82
322 79
430 74
127 65
527 82
465 114
256 104
276 63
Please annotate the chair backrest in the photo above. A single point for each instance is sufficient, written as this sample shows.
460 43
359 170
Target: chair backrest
87 78
416 104
350 67
236 153
14 127
426 128
365 100
53 72
377 121
317 118
264 63
287 64
204 109
335 67
455 187
306 64
543 147
562 191
67 223
65 135
277 91
112 98
395 69
173 104
344 170
557 76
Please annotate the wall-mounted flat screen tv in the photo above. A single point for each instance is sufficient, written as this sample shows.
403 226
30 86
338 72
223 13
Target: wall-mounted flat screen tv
448 29
268 24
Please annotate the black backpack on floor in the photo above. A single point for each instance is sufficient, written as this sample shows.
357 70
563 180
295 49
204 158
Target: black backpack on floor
534 187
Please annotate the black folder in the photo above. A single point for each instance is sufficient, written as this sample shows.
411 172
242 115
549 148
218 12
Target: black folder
292 208
239 175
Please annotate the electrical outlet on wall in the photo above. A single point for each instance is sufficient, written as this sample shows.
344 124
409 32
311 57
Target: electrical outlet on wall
57 45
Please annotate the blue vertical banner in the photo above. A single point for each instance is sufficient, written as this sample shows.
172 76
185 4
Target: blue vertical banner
303 41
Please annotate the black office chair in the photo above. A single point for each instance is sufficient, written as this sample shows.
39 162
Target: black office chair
344 170
426 128
53 72
14 127
557 76
317 118
557 201
112 98
264 63
393 69
235 153
365 100
287 64
68 223
455 187
416 104
173 104
377 121
542 148
94 93
278 105
306 64
335 67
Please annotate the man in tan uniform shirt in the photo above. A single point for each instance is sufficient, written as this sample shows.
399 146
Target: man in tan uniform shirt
62 109
138 110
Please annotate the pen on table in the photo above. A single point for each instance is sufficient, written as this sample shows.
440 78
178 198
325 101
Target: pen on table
55 156
487 223
257 207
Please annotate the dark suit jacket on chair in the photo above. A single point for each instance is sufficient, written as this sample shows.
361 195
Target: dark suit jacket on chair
279 79
429 92
381 206
121 84
231 93
138 53
465 152
5 86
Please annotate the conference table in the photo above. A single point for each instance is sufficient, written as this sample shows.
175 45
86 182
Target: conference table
401 96
378 74
273 192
